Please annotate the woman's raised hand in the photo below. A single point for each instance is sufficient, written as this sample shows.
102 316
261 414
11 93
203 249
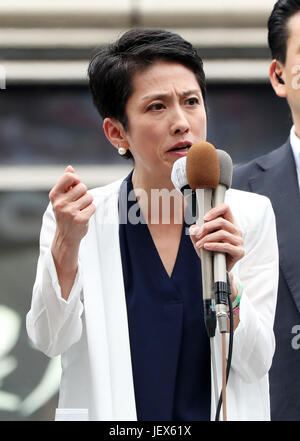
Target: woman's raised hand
73 208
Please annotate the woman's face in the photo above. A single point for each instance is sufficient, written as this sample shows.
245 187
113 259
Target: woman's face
166 114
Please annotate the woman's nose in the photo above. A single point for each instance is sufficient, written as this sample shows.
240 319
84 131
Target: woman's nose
179 122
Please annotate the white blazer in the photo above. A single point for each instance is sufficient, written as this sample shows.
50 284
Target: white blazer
90 330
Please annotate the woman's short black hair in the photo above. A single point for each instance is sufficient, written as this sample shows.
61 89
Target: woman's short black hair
111 69
278 27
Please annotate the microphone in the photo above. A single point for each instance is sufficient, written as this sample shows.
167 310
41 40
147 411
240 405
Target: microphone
220 275
178 175
180 182
203 175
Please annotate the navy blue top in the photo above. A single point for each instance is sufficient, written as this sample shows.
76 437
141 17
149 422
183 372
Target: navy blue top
169 346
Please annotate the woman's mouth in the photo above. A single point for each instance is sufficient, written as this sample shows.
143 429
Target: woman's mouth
180 148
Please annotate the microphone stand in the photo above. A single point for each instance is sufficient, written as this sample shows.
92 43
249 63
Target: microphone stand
204 201
230 346
216 296
204 198
221 289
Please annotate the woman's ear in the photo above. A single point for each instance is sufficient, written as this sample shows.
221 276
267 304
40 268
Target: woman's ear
114 132
277 74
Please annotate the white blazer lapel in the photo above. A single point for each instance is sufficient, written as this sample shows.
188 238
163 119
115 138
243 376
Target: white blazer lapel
106 314
96 326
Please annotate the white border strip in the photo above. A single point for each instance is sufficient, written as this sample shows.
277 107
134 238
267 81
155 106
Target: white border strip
70 72
39 177
28 72
89 38
237 71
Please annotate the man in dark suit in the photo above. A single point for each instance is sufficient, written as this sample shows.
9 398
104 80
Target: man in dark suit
277 175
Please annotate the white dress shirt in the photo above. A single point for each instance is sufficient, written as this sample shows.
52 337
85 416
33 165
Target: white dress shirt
295 143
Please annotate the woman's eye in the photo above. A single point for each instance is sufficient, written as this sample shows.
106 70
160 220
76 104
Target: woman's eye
192 101
155 106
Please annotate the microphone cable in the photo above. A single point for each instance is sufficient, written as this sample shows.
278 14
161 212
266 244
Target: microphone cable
230 348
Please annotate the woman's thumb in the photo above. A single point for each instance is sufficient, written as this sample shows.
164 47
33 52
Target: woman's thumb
70 169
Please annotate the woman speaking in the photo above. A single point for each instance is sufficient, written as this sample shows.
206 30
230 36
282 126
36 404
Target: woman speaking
118 290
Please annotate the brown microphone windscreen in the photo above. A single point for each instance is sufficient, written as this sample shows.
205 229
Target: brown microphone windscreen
202 166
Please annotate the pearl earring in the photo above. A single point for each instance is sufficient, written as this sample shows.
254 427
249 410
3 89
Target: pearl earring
122 151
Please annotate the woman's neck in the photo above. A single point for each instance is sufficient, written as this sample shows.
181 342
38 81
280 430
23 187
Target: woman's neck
151 181
159 201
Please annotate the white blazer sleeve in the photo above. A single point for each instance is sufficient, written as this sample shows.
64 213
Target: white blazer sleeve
254 341
53 324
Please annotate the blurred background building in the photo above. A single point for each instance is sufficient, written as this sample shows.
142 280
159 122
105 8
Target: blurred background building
47 121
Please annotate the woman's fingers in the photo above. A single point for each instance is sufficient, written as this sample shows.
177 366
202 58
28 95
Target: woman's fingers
219 233
215 225
87 212
84 201
73 206
222 210
219 236
76 192
66 182
69 169
69 188
235 252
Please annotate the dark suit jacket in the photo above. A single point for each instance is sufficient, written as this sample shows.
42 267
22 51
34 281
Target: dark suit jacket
274 175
